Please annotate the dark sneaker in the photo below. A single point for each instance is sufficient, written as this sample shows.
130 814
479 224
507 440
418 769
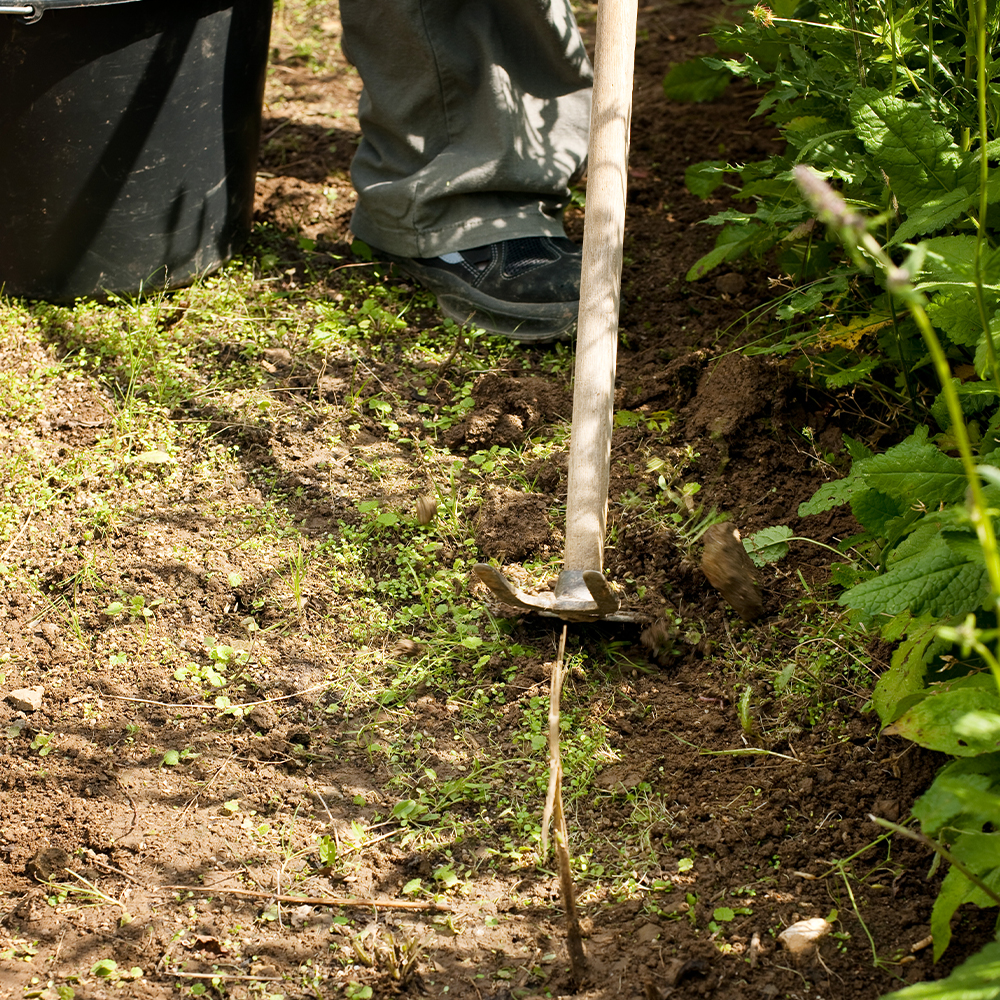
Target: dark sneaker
527 289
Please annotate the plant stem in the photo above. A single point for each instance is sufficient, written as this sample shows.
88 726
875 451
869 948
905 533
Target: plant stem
966 139
852 10
891 16
831 208
983 178
904 362
938 848
979 512
930 44
820 24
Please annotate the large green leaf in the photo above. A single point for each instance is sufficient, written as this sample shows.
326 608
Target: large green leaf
964 797
837 491
916 470
695 81
956 314
980 854
874 510
934 579
951 260
701 179
933 215
731 243
973 798
769 545
919 155
931 722
980 731
978 978
905 676
946 802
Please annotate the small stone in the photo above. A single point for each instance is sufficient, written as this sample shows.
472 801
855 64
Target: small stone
27 699
801 938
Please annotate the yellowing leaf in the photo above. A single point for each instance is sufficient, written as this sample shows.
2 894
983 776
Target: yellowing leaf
849 336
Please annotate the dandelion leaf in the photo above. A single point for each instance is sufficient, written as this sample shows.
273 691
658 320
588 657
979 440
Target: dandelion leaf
904 679
703 178
953 892
856 373
732 242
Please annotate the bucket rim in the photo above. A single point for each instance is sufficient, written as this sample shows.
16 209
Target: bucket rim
30 11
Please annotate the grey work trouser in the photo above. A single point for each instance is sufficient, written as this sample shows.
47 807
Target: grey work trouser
474 117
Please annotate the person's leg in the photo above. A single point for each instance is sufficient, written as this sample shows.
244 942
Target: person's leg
474 118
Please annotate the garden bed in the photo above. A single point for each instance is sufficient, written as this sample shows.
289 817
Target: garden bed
264 678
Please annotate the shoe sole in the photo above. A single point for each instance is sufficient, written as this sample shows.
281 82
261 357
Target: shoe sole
528 322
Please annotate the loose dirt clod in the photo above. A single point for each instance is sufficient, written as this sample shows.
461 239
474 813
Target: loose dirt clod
728 567
47 862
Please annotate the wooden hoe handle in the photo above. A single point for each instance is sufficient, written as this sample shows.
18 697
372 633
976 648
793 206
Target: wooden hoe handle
600 286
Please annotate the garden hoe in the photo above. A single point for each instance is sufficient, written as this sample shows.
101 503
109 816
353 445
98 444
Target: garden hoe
582 593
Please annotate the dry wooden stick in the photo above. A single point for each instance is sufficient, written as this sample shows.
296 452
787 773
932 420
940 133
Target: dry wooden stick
223 977
554 809
555 760
203 706
574 939
386 904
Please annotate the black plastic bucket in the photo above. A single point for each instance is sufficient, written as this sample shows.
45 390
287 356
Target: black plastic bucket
129 132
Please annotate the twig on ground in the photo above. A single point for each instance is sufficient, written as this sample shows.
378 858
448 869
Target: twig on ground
385 904
554 810
459 343
13 541
92 859
202 706
223 977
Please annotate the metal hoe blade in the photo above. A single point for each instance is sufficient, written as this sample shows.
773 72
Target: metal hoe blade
580 596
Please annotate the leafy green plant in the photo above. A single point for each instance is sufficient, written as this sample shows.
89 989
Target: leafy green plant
930 517
885 108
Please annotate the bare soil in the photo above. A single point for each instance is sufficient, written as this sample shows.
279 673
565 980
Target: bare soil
766 820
